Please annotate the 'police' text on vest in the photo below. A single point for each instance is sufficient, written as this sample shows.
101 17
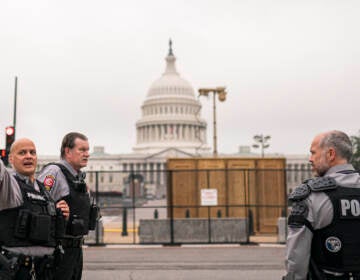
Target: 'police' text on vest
350 208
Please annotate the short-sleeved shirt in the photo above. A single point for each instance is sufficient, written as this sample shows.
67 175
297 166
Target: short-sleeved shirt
55 181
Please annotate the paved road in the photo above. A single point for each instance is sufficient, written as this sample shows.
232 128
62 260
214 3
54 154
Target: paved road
213 262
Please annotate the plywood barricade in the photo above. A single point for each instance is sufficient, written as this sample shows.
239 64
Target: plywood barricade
245 187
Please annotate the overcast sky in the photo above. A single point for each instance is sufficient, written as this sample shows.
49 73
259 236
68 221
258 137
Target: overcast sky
291 68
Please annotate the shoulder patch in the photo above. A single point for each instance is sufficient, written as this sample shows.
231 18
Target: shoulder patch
300 193
49 182
322 184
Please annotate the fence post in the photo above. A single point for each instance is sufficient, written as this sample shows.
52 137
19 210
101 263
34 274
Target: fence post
171 199
209 211
124 223
251 222
97 202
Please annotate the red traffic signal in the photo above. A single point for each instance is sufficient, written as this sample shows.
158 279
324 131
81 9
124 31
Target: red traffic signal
3 153
10 137
4 156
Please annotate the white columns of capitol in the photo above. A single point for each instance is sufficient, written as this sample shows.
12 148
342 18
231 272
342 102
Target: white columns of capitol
186 132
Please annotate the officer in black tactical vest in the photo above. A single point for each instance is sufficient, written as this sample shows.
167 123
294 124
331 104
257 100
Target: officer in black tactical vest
30 221
65 180
324 224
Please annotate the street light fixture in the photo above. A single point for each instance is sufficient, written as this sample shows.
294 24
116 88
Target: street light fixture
262 142
220 91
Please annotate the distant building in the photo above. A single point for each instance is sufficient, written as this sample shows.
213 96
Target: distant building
298 169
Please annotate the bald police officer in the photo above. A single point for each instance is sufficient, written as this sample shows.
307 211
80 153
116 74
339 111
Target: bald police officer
324 224
65 180
29 222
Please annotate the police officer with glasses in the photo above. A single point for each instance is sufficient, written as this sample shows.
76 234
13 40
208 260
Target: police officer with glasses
30 221
324 225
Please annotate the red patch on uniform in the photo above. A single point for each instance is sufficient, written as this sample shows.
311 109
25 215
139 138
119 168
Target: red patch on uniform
49 182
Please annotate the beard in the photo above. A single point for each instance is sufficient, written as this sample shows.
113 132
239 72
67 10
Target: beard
322 167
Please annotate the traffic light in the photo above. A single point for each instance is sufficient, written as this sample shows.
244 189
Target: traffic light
4 156
10 137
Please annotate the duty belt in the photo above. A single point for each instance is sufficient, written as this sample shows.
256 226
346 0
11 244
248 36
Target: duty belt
346 276
12 262
72 242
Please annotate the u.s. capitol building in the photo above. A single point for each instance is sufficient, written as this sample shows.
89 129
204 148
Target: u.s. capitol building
170 126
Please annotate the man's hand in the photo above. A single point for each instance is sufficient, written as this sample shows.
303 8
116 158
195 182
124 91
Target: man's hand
64 207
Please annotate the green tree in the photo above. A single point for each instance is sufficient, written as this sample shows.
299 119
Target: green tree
356 154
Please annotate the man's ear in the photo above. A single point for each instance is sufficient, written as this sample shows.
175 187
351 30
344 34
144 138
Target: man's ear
67 150
332 154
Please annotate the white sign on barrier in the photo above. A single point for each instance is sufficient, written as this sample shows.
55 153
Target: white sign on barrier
209 197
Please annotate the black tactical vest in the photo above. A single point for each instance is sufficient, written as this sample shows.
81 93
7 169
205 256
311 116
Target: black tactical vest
337 246
79 203
31 224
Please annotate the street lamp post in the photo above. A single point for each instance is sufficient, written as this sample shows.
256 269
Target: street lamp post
220 91
262 142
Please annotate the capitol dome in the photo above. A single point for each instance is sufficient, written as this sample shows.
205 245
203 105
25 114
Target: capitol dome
170 83
171 115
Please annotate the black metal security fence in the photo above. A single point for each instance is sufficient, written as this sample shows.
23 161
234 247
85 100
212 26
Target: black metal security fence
187 207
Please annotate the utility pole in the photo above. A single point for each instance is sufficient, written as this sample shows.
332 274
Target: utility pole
220 91
15 105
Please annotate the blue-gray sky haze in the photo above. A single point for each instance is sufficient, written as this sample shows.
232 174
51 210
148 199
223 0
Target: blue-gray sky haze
291 68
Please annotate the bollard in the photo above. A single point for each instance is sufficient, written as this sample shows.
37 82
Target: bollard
187 213
156 214
124 223
218 213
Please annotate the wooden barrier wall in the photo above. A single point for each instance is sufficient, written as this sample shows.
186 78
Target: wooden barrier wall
243 184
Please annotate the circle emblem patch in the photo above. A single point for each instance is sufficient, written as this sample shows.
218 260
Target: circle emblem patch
49 182
333 244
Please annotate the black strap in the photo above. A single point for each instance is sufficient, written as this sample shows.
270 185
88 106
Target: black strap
299 221
347 171
308 225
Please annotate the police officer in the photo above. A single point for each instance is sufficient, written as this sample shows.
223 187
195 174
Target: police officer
324 224
29 221
65 180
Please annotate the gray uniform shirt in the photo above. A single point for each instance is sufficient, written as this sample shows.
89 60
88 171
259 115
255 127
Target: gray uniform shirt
11 197
298 245
55 181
